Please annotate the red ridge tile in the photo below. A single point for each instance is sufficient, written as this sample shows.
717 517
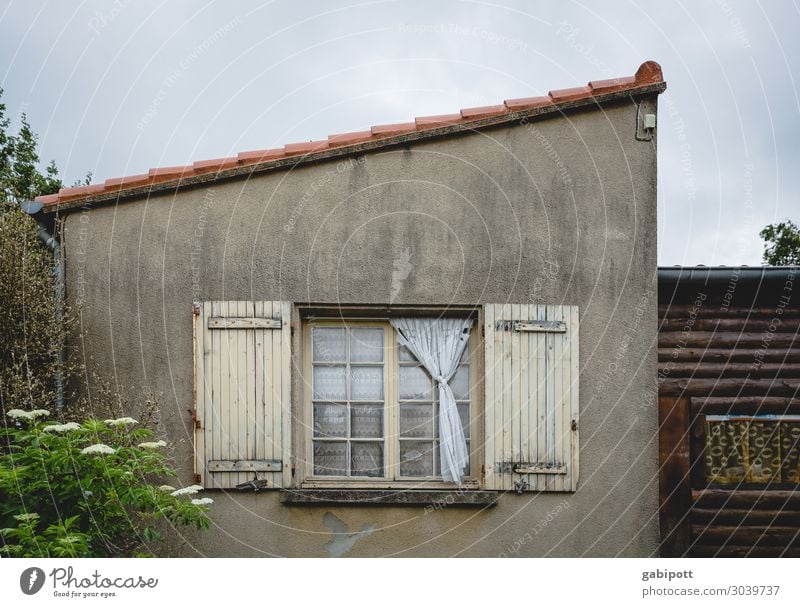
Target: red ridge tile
215 164
48 199
349 138
305 147
570 94
649 73
486 111
126 181
260 155
169 171
527 103
394 129
443 119
611 84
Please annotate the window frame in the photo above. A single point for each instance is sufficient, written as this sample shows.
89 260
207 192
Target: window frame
307 479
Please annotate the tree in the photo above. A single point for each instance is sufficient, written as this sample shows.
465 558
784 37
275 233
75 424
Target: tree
30 339
781 244
57 497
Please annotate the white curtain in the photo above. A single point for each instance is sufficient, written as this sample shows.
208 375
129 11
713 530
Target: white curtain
438 343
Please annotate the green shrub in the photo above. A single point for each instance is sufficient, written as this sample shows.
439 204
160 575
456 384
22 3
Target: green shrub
89 489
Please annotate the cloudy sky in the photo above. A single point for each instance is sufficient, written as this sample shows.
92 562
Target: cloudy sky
117 87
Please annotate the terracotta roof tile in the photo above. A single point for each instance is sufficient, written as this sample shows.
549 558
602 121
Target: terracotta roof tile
305 147
394 129
486 111
527 103
432 121
349 138
259 155
648 74
217 164
577 92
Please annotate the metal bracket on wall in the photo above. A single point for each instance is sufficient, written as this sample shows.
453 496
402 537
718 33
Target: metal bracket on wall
532 326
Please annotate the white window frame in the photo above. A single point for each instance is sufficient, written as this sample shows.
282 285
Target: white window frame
391 412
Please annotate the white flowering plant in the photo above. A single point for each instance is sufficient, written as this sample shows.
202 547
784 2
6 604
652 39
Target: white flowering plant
89 489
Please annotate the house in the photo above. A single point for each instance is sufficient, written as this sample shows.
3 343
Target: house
728 378
424 339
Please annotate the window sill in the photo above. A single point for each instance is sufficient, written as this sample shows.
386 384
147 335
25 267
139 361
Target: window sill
437 499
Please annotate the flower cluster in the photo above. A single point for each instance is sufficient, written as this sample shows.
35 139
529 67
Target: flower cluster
68 427
153 445
203 501
121 421
190 490
27 415
99 448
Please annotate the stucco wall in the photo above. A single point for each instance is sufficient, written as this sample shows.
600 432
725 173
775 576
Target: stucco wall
486 217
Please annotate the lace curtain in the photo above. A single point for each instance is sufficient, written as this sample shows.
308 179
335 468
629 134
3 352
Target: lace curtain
438 343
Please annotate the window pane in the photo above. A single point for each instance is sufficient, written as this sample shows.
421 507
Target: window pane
329 344
330 459
416 458
416 420
460 383
366 345
367 459
405 354
366 383
465 355
463 413
366 421
415 383
330 420
790 452
329 383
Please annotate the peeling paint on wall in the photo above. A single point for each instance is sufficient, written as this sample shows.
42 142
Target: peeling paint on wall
341 541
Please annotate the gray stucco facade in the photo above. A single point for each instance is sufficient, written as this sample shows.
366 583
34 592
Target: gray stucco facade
559 210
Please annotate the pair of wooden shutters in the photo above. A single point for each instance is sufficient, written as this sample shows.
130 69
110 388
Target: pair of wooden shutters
243 410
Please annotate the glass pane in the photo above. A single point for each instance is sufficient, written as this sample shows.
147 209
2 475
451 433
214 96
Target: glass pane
330 459
367 459
416 458
366 345
416 420
790 452
366 383
415 383
763 451
329 344
725 456
366 421
329 383
463 413
460 383
465 355
405 354
330 420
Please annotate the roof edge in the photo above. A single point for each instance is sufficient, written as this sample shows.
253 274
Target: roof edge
648 80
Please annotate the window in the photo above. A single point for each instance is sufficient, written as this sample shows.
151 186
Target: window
367 413
374 408
752 449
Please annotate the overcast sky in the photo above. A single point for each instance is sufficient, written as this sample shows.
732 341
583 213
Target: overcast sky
118 87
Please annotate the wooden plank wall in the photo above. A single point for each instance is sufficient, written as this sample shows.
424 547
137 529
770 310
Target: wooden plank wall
718 359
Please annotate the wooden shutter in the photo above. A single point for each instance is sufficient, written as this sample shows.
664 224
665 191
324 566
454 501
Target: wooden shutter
242 392
531 397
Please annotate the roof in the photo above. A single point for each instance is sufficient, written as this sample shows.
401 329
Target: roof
748 284
647 80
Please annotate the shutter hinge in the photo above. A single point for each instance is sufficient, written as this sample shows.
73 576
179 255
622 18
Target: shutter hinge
574 425
195 419
196 309
198 480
